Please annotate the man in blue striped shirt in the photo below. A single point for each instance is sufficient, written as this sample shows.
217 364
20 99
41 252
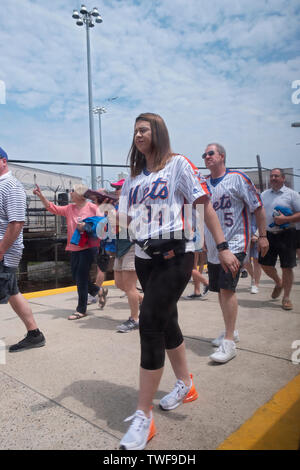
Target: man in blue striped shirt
12 218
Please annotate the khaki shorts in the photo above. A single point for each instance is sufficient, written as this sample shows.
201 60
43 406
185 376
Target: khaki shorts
126 262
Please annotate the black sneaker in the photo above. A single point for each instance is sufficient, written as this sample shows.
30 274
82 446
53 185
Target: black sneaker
29 342
192 297
244 274
205 291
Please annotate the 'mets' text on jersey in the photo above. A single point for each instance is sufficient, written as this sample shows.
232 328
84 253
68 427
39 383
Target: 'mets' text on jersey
155 201
233 197
159 190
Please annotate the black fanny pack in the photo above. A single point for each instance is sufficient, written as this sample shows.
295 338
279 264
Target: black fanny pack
164 247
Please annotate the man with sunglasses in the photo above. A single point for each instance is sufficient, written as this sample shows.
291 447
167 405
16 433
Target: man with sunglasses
234 198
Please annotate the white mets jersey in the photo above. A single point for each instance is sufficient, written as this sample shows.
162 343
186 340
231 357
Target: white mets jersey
234 197
155 201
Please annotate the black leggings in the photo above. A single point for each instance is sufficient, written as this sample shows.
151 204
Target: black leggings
163 282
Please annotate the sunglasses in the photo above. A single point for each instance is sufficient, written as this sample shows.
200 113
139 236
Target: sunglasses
210 153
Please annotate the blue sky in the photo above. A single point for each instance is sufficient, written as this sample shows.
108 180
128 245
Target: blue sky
215 70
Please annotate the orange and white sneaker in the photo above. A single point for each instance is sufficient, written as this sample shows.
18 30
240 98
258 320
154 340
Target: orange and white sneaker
141 430
180 394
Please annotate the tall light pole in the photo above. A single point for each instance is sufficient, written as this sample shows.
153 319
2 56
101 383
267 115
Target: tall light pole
88 17
100 110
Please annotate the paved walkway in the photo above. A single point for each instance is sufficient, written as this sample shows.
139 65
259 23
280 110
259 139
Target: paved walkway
76 391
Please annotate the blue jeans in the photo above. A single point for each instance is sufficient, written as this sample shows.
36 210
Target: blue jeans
81 262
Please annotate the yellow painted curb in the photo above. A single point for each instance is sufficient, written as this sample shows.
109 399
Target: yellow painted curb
274 426
61 290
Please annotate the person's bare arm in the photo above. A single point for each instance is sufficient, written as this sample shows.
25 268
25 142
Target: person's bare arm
37 192
262 243
226 257
285 219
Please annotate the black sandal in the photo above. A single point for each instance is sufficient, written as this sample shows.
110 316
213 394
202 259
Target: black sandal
102 294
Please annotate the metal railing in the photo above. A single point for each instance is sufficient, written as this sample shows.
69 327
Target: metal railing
39 221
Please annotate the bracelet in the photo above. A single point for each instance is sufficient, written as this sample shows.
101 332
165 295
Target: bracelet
222 246
262 236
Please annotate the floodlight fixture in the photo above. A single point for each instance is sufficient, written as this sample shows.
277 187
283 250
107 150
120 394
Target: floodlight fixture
84 10
95 12
75 15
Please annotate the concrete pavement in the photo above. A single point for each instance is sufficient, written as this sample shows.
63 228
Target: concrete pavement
75 392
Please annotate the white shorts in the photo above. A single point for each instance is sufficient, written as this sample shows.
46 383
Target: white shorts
126 262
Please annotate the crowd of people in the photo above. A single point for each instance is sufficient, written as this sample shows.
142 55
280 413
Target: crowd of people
153 241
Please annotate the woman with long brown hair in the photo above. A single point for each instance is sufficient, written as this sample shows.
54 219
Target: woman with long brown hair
153 197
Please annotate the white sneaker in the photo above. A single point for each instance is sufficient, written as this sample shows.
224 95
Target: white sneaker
141 430
91 299
254 289
225 352
218 341
180 394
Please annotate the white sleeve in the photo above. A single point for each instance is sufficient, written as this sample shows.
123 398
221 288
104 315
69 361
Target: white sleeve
250 194
16 204
296 202
189 184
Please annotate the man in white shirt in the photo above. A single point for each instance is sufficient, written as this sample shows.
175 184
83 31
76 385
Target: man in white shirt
12 218
282 206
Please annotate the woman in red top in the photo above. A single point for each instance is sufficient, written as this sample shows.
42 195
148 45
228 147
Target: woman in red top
81 256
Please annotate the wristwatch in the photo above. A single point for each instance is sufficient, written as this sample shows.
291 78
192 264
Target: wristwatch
222 246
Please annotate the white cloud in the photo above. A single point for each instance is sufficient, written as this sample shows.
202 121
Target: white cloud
214 70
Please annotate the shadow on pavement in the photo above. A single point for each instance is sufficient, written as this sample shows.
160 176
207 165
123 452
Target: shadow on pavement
111 403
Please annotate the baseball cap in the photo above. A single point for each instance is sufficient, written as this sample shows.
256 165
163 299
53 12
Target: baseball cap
3 154
118 184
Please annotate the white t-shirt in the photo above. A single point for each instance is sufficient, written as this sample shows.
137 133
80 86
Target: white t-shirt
155 201
284 197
